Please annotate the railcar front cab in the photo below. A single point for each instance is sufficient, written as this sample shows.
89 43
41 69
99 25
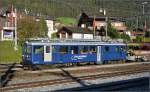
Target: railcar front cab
36 54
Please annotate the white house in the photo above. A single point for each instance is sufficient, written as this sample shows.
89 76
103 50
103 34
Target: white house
50 25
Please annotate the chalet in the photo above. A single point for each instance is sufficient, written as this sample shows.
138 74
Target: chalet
75 33
86 21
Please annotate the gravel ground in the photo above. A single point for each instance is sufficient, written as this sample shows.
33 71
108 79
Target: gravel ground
84 83
18 78
40 77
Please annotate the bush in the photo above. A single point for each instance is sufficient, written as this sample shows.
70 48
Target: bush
126 37
139 39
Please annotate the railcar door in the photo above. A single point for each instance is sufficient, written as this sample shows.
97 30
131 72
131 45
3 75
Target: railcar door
99 54
47 53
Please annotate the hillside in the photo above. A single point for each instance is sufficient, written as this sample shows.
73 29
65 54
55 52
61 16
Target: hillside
72 8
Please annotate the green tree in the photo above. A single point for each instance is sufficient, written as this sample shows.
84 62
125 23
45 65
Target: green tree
28 27
125 37
42 28
139 39
112 32
54 35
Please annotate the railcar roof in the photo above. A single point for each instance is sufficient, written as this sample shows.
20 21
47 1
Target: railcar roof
90 42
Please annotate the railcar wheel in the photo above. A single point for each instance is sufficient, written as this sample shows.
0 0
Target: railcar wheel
78 64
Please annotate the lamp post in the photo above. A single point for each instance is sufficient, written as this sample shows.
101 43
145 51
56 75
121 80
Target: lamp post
143 5
106 23
15 39
106 20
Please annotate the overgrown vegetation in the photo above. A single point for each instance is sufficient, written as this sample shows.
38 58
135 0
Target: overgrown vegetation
28 27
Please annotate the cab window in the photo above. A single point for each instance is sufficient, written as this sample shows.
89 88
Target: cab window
28 49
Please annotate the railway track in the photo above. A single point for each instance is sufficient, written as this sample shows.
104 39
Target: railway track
73 79
78 71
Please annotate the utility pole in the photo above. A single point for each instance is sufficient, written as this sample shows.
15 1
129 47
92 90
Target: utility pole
143 4
94 25
106 19
137 22
15 39
144 28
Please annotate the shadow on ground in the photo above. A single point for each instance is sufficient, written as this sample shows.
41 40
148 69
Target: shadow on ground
77 80
138 84
7 76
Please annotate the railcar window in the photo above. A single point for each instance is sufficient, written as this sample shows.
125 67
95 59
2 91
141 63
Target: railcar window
63 49
47 49
84 50
74 50
53 49
106 48
117 49
123 48
93 49
38 49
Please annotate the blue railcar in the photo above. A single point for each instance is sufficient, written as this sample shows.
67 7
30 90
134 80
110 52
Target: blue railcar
72 51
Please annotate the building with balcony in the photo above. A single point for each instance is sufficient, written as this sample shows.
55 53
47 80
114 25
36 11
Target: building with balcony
86 21
7 24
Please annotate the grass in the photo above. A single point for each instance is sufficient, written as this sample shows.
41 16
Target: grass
8 54
67 20
147 39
